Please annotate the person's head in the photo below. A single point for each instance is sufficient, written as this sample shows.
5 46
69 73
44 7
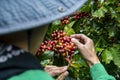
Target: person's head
20 20
29 40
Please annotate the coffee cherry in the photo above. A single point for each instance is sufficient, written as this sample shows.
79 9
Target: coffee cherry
65 20
71 65
76 15
67 59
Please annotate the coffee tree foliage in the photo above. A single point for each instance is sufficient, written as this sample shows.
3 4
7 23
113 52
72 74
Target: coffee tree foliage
99 20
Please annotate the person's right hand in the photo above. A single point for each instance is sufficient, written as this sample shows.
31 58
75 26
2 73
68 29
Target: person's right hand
86 47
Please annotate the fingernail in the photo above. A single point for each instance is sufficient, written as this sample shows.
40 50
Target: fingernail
73 39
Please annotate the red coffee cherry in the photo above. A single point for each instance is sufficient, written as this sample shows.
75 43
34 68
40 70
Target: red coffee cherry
65 20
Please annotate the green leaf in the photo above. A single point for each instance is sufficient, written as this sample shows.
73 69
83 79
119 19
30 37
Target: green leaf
53 26
46 55
76 26
116 55
87 7
76 65
98 49
46 62
70 24
57 22
68 30
111 1
107 56
112 12
118 9
78 59
118 18
112 32
100 12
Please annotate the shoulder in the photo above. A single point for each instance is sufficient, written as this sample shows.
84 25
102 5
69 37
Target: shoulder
32 75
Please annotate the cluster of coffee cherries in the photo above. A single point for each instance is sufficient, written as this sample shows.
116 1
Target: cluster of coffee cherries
46 45
76 16
65 20
60 44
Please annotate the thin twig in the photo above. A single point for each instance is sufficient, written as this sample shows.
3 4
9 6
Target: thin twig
62 74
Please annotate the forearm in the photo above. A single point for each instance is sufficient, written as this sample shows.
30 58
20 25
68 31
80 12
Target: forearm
98 72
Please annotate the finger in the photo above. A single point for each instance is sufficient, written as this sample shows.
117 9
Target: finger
59 70
49 68
63 75
77 43
54 71
81 37
76 36
64 68
55 67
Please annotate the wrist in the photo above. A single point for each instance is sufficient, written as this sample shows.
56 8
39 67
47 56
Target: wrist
92 62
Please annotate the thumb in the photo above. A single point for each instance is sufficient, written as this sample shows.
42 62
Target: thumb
77 43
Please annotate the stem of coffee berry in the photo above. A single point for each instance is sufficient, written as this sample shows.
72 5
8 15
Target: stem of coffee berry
61 75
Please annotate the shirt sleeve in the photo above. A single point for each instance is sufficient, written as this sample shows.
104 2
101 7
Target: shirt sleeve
98 72
32 75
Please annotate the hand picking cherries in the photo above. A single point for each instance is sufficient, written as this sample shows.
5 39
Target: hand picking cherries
60 44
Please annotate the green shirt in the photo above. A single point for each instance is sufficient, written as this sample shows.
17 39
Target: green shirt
97 72
32 75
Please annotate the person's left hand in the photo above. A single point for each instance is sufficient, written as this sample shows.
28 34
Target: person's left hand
55 71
